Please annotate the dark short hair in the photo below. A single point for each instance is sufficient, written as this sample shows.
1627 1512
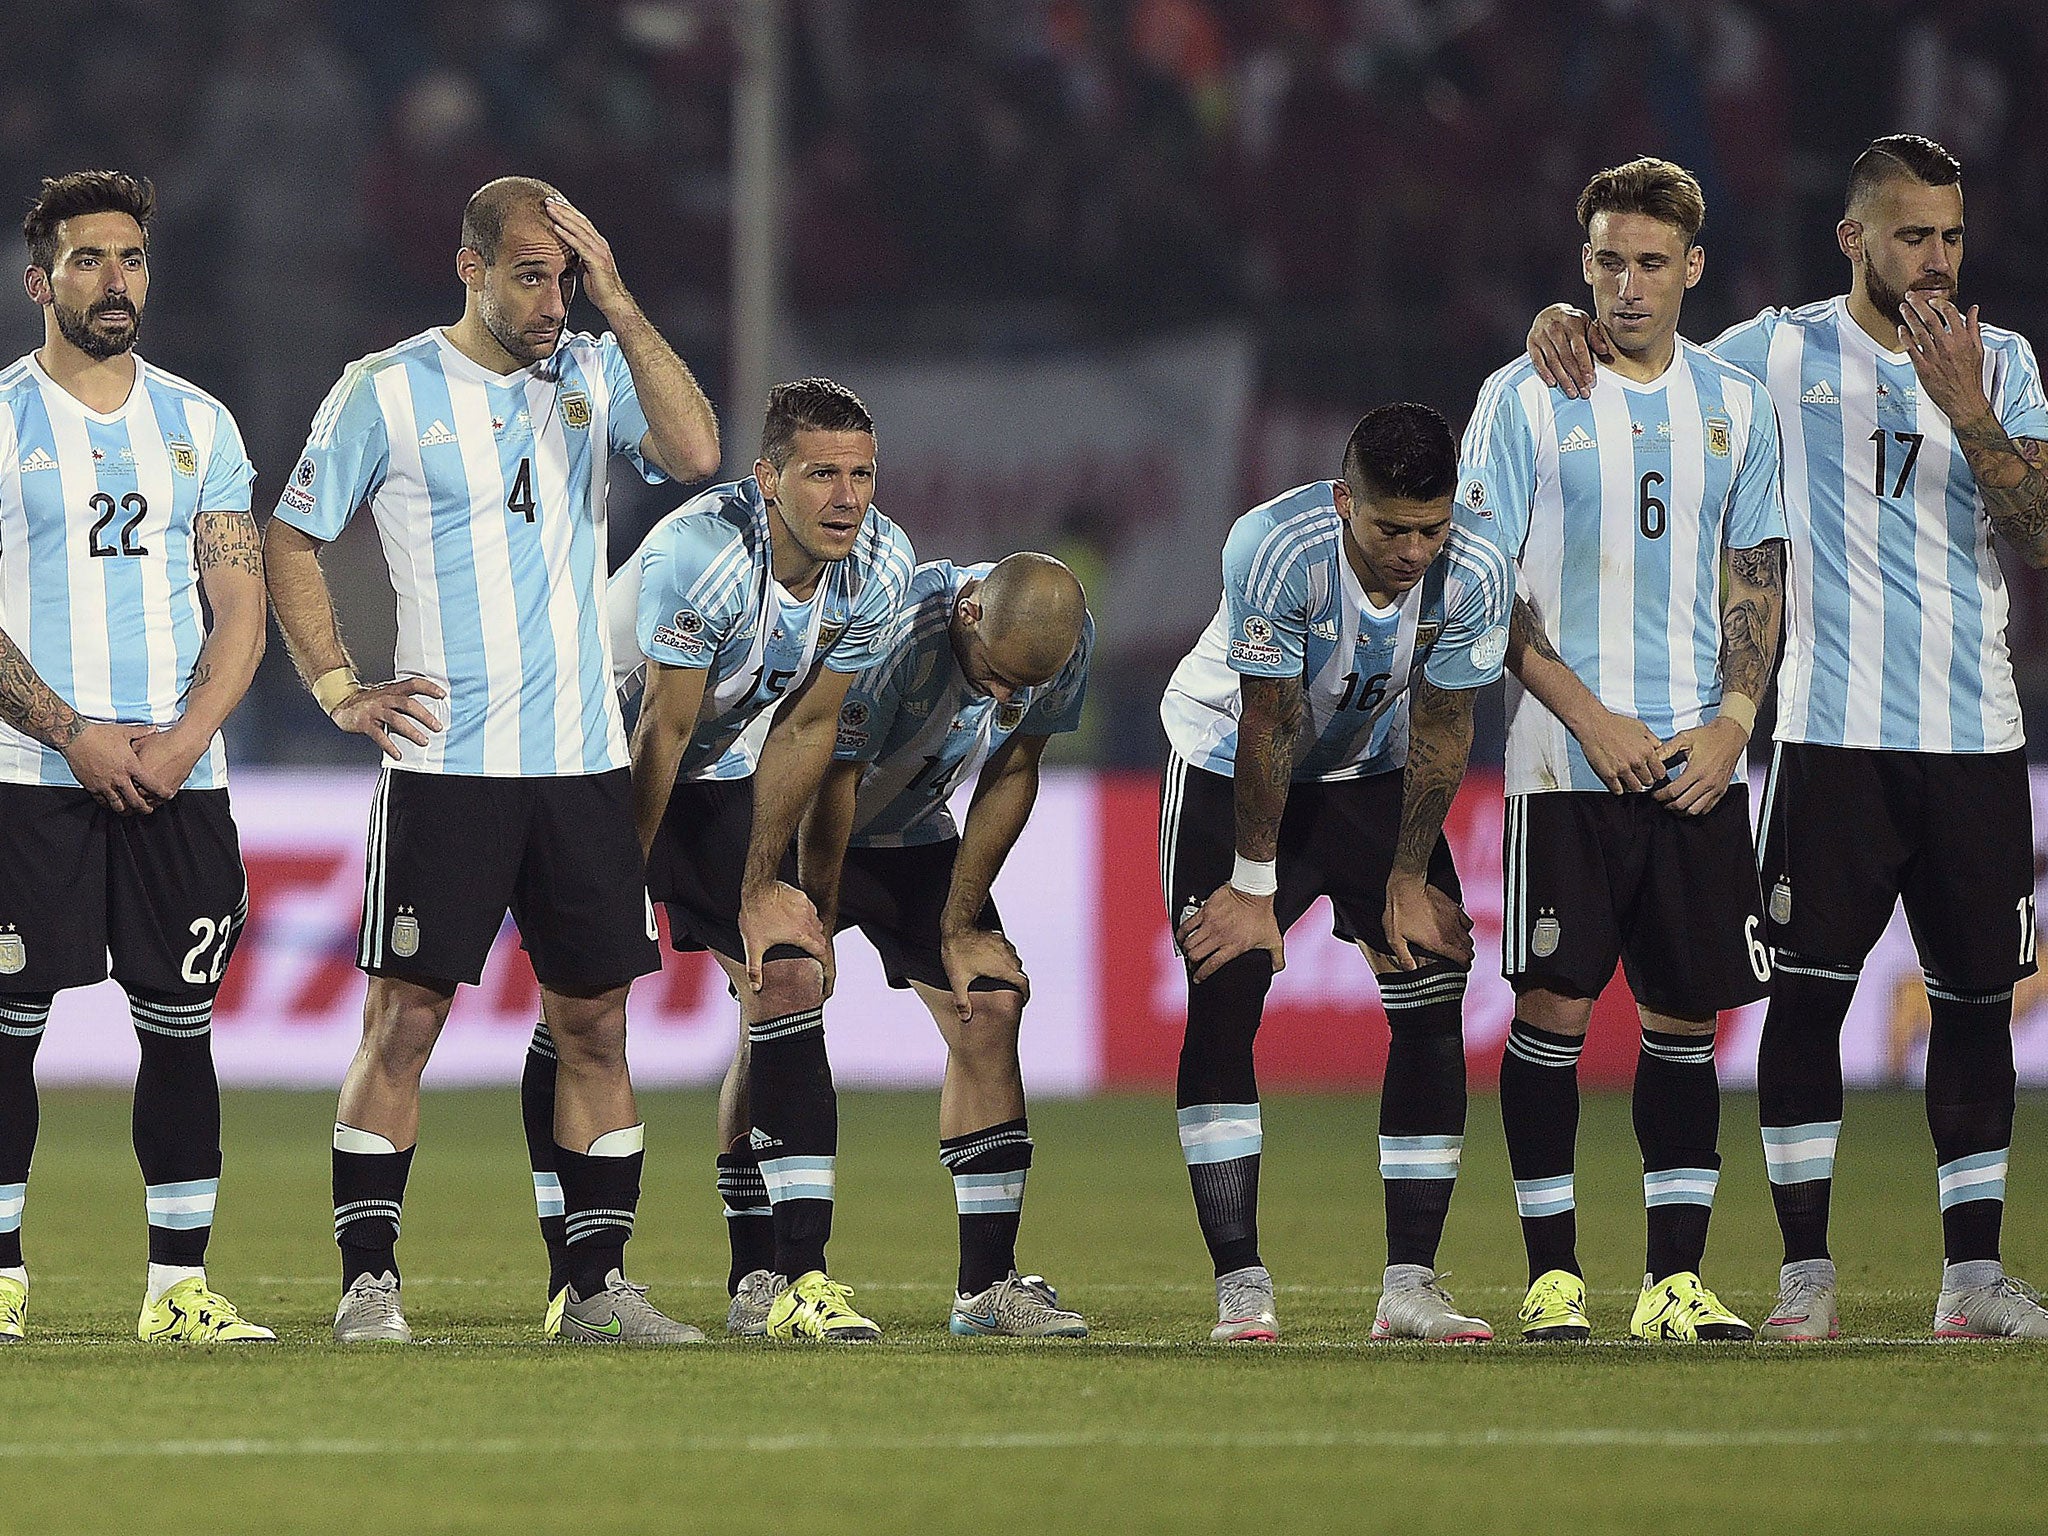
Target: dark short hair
816 405
490 205
1901 156
1403 450
1656 188
81 193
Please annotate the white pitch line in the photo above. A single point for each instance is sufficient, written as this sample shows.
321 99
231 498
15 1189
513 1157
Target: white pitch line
1054 1440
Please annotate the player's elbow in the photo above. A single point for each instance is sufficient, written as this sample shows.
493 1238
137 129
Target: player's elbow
691 456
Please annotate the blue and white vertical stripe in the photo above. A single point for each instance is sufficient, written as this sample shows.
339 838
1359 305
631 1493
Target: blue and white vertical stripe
1220 1133
1896 614
181 1206
99 585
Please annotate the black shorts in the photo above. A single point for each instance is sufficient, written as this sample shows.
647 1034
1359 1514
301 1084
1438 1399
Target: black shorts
1593 878
450 853
896 897
164 893
1336 839
1848 832
698 862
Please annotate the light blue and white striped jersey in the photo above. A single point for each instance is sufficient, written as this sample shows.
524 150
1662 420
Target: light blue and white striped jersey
924 730
1618 509
489 496
1895 619
700 593
99 585
1293 607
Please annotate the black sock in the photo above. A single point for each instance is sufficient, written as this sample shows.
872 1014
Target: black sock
176 1123
1217 1100
22 1017
749 1218
1678 1126
1799 1096
1539 1108
537 1112
369 1197
1422 1107
988 1168
1969 1109
795 1133
600 1194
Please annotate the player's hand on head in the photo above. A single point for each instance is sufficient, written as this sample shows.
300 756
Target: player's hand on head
1563 342
600 269
1712 751
102 758
400 707
1621 749
974 953
1422 921
780 914
1947 348
1230 924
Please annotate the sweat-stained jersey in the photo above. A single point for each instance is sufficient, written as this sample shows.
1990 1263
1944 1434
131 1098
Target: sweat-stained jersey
923 730
1618 509
489 495
699 593
99 585
1896 608
1293 607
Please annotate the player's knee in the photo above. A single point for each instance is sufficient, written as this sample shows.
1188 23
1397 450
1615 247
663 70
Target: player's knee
590 1037
399 1033
789 986
987 1042
1554 1013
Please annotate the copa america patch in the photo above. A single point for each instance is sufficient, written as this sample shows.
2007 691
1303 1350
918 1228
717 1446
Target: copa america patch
1257 629
1475 497
302 477
854 715
1544 936
1781 902
1490 648
684 633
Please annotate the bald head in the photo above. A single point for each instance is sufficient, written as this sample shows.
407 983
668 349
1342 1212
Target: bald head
1031 612
498 203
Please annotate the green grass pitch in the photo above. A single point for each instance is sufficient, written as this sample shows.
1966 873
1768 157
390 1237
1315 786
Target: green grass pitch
1144 1428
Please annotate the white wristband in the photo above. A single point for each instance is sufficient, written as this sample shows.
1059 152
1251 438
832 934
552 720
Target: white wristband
1255 877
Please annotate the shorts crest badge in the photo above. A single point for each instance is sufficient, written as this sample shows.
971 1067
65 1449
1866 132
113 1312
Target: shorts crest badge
13 953
1781 901
1544 936
1717 437
576 409
405 934
183 459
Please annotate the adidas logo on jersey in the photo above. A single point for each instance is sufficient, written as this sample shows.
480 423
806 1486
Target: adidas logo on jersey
436 435
39 459
1822 393
1578 437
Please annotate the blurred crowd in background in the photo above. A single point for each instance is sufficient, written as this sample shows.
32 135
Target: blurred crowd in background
1375 194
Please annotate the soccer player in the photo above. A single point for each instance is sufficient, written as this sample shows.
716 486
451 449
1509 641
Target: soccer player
747 613
1649 537
985 665
1320 729
481 451
1913 434
131 621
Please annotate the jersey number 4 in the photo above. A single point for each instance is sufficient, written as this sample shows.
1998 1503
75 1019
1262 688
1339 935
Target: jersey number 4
520 498
137 509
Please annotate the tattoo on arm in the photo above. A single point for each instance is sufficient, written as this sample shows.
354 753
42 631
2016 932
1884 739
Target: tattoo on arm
28 704
1525 631
1752 609
1268 734
1439 743
229 541
2013 475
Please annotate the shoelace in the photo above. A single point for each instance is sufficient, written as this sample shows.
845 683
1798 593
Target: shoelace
1245 1301
2012 1287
